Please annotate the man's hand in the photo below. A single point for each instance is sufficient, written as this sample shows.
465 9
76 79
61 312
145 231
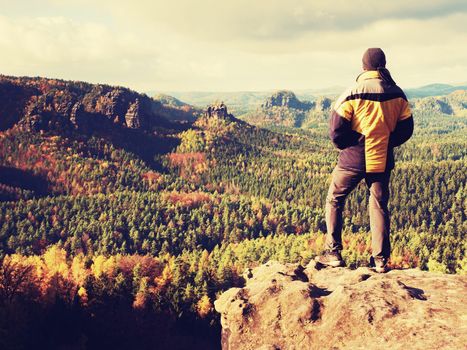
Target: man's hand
340 131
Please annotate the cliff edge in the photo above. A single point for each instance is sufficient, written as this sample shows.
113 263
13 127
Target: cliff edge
294 307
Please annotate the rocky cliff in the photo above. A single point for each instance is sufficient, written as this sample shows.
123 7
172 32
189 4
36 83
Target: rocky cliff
43 104
294 307
284 98
323 104
219 111
284 108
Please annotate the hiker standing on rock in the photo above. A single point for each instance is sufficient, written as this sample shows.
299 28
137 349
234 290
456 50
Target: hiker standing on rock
367 122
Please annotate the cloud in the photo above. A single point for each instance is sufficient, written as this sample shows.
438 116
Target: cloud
234 20
232 45
58 45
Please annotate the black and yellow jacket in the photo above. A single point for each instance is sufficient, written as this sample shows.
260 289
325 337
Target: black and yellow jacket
368 121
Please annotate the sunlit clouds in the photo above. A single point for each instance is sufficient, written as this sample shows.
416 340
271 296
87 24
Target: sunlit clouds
232 45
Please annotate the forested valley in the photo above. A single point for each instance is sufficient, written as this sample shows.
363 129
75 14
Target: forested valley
120 222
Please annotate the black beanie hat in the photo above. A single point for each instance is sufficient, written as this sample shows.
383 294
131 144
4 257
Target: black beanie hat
374 58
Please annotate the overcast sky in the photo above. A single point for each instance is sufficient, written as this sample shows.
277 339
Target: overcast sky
231 45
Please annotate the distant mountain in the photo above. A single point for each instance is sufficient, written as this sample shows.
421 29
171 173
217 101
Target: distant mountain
285 98
285 109
176 110
453 104
45 104
168 100
242 102
433 90
239 102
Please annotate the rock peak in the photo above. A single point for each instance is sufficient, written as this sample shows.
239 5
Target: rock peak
285 98
48 104
218 110
287 306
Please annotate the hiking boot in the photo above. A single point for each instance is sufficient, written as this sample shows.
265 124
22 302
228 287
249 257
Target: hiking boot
330 258
380 264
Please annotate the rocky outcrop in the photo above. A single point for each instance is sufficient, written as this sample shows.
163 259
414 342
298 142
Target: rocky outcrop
294 307
323 104
77 114
219 111
281 108
132 116
39 103
284 98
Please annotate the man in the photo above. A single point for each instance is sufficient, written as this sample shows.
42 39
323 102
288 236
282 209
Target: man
367 122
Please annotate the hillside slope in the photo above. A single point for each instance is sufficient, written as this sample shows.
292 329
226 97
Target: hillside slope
41 103
433 90
284 108
291 307
71 137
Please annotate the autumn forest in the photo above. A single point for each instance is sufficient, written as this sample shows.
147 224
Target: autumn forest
122 218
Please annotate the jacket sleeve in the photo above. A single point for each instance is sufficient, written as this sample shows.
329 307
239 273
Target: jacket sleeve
402 132
404 127
340 126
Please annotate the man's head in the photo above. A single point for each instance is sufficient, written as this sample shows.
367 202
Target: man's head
373 58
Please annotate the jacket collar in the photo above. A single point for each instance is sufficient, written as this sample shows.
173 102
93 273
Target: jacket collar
368 74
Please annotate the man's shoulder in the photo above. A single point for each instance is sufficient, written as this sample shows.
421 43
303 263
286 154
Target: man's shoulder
345 95
367 87
399 91
393 92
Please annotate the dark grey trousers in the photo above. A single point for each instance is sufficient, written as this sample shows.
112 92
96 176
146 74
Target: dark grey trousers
343 182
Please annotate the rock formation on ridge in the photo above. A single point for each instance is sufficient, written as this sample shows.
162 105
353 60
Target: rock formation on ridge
218 110
291 307
45 104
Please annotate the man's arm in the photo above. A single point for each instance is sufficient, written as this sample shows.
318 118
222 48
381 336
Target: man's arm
340 123
340 131
402 132
404 126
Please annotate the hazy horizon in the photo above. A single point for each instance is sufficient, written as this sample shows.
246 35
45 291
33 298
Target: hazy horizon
233 46
313 89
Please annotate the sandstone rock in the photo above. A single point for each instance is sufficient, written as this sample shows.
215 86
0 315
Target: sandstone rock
323 104
132 116
218 110
292 307
48 104
77 114
284 98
